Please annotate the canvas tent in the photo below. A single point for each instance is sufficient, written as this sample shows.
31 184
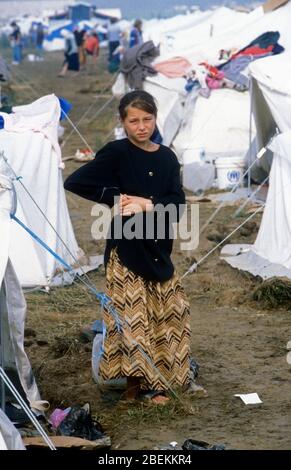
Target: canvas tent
270 254
30 144
13 358
272 95
219 124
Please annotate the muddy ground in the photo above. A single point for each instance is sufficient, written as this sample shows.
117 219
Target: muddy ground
239 343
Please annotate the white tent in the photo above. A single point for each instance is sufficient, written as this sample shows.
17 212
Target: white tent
29 142
12 306
220 124
270 254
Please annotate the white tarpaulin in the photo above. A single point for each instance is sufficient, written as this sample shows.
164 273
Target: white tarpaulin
29 141
10 438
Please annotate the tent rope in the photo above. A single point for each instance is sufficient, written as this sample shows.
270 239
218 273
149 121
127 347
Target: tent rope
78 132
76 261
222 204
75 126
196 264
89 109
249 198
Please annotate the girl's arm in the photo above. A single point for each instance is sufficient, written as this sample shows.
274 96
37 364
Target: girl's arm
97 180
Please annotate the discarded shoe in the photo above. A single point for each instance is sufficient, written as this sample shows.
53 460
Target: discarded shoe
191 444
84 155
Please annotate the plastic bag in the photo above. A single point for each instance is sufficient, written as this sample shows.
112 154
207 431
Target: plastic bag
79 423
119 88
57 416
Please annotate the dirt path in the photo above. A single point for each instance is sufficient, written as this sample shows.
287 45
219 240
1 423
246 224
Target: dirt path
240 346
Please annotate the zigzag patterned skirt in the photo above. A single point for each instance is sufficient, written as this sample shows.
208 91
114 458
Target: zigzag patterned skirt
154 340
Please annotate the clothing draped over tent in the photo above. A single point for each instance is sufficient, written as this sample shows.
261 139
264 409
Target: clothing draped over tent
264 45
136 63
172 68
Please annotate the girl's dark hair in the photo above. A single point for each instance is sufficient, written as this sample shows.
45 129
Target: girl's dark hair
137 99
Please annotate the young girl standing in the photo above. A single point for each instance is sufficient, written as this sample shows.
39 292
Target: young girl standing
152 348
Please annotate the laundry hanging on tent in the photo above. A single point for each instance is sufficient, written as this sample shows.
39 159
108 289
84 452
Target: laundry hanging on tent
174 67
263 46
136 63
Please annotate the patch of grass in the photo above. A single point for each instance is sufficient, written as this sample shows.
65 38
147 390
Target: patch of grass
66 345
69 299
139 413
275 292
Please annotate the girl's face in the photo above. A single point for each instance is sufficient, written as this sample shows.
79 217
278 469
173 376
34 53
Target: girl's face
139 125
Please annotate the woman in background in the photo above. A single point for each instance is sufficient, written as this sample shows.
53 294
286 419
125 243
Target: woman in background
71 61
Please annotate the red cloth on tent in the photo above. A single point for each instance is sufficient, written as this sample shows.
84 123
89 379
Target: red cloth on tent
254 50
213 71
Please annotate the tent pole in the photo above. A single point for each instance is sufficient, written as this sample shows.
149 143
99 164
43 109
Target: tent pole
250 136
2 385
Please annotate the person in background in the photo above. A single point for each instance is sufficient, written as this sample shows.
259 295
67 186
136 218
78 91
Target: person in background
71 61
114 34
39 40
92 46
136 38
80 36
32 35
152 347
16 43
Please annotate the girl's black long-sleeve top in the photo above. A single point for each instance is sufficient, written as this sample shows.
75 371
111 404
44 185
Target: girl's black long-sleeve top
121 167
